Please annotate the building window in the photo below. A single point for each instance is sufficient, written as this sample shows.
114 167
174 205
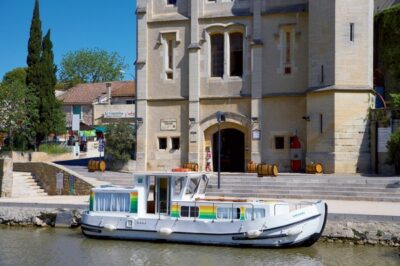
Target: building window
130 101
171 2
236 54
190 211
169 58
321 124
322 74
352 32
77 110
175 143
279 143
217 55
162 143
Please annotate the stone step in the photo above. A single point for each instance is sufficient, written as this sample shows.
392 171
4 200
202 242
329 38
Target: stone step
302 196
24 185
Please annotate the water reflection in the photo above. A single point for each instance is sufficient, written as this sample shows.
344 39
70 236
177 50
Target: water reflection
28 246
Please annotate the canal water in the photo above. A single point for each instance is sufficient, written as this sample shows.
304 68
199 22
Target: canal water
49 246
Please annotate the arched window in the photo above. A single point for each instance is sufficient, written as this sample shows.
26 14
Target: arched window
217 55
236 54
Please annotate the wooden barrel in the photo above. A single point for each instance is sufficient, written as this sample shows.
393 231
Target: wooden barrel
96 165
192 166
274 171
251 167
102 166
90 166
267 170
195 167
314 168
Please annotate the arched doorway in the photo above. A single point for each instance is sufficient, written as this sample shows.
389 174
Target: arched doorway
232 150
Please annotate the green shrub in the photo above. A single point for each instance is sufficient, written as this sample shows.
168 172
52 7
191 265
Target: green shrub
120 142
53 149
393 146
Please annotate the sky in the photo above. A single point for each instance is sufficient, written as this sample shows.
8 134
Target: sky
75 24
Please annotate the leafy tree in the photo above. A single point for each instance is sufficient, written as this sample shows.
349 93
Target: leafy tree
13 110
33 71
17 74
120 141
393 146
90 66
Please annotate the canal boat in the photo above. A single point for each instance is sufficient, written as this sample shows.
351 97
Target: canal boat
172 207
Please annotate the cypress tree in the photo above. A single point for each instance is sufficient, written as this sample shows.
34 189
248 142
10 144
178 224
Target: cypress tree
33 72
51 117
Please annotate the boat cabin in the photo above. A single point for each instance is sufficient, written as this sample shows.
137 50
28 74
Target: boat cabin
178 195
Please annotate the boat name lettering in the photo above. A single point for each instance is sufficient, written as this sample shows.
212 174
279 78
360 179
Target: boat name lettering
140 222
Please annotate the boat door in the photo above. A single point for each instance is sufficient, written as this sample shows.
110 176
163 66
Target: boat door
163 195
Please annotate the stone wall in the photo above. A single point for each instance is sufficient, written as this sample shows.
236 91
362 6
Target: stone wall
363 232
40 157
45 174
6 177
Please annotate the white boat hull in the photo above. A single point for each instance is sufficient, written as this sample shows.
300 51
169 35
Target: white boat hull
302 227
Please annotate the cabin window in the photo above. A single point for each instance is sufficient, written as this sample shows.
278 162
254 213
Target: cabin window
179 185
258 213
228 213
192 186
112 202
190 211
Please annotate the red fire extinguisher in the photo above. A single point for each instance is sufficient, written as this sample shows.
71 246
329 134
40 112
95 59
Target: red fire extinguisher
295 154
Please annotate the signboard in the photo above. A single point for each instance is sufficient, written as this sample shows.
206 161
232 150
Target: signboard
168 125
59 181
383 137
72 180
119 114
101 145
75 122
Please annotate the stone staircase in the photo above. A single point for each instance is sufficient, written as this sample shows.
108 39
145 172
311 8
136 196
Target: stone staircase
305 186
24 185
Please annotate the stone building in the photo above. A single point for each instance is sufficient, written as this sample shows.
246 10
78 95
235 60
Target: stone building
97 104
274 68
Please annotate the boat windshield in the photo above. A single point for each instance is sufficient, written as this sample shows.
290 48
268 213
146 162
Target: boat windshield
179 184
192 186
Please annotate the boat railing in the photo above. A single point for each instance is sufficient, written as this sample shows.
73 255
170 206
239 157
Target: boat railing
232 205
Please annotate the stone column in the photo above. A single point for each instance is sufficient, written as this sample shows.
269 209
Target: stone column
194 84
256 81
6 177
141 86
